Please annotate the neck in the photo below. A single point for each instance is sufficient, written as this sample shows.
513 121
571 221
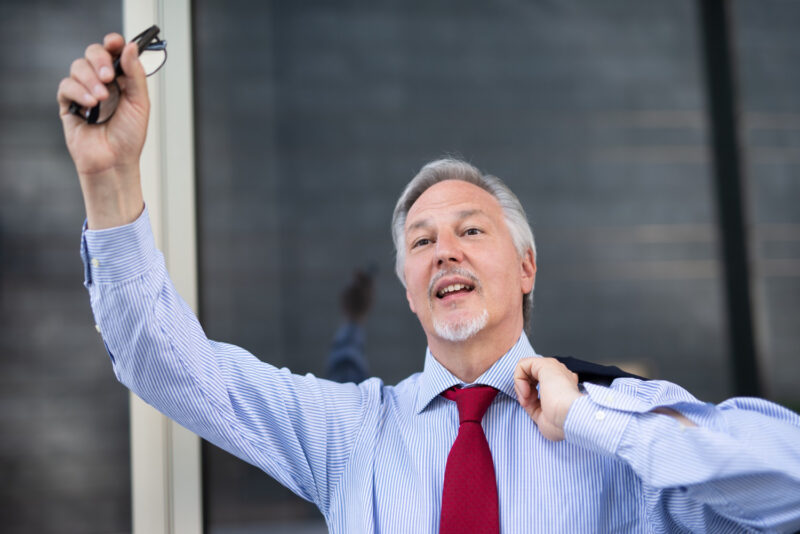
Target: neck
469 359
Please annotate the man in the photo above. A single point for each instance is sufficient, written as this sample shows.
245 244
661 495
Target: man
636 456
346 361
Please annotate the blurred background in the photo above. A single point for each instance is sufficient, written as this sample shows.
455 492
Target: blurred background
310 118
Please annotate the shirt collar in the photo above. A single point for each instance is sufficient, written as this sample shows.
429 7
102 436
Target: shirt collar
435 378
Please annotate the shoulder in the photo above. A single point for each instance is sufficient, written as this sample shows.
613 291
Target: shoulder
400 398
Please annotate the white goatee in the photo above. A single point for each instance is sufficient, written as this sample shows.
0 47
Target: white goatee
461 330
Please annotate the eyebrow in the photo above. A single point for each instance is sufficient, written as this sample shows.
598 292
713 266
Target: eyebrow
461 215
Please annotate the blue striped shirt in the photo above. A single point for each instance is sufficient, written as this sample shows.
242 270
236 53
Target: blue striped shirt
372 456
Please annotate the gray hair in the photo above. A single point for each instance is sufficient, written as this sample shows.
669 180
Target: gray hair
454 169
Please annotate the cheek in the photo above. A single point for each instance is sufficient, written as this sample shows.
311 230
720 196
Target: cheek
416 285
411 302
506 275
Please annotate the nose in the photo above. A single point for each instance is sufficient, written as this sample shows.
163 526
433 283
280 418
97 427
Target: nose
448 249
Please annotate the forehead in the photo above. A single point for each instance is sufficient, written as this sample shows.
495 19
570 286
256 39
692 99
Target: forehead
451 197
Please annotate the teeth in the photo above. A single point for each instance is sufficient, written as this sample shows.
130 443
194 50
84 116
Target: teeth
451 288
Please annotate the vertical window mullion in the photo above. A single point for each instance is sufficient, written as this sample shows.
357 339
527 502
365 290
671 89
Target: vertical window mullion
165 457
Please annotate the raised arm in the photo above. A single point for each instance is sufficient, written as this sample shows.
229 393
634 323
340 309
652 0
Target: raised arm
107 155
299 429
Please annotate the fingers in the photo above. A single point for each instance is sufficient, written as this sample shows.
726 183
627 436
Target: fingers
530 371
526 380
362 278
83 72
72 91
546 390
534 368
114 43
135 83
88 76
525 387
100 59
523 381
82 86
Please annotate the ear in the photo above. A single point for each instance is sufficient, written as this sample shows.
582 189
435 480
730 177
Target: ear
410 302
527 271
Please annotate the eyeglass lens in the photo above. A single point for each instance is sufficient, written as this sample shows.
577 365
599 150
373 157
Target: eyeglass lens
153 58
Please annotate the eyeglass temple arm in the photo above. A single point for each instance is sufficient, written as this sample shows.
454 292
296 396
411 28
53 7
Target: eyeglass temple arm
143 41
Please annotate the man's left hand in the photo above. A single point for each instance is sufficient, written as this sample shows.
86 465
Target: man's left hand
558 389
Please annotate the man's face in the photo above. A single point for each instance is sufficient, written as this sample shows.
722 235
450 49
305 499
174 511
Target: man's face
462 270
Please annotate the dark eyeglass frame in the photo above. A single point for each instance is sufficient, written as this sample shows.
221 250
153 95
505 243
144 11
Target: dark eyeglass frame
146 41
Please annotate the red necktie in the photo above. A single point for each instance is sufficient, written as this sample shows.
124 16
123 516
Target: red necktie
469 497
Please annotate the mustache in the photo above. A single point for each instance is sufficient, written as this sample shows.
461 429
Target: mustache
453 271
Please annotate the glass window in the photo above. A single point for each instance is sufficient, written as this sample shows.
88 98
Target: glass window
313 116
767 47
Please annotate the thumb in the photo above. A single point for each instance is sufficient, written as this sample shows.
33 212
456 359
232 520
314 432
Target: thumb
135 79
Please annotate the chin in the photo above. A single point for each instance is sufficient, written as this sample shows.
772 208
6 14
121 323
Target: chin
461 329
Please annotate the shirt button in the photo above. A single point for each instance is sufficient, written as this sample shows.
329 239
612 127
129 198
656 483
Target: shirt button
600 415
97 327
95 263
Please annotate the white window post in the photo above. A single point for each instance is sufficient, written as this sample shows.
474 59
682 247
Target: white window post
165 457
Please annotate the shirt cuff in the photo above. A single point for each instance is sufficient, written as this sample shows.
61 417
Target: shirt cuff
595 427
113 255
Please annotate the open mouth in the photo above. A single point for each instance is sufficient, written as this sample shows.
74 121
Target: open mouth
454 289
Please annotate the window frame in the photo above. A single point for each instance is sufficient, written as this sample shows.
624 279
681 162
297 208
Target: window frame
166 476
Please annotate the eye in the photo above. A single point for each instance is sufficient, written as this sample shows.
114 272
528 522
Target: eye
472 231
421 242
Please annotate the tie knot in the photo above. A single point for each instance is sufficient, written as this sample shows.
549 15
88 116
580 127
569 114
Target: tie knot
472 402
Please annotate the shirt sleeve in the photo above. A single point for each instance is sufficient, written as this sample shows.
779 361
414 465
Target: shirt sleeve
298 429
739 467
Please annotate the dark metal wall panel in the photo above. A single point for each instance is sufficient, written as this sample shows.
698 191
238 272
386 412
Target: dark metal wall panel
729 188
767 47
64 440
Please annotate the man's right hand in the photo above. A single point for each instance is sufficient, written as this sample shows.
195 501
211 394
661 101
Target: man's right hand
357 297
557 390
107 155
